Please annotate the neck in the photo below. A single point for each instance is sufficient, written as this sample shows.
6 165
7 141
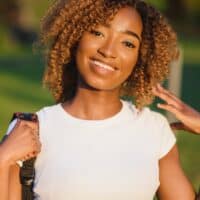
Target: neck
93 104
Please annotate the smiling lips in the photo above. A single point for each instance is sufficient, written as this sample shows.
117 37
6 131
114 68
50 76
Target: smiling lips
102 65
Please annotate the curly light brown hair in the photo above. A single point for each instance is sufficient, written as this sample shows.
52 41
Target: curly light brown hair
64 25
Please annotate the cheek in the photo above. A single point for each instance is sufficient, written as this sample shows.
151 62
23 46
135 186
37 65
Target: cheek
85 50
81 54
129 61
87 44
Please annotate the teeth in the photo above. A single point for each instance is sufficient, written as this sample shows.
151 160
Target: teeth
103 65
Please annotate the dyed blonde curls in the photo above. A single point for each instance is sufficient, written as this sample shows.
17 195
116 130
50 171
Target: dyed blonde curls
64 24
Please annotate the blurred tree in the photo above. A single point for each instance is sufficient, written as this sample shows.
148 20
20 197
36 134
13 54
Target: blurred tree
193 6
183 14
10 18
159 4
9 11
176 9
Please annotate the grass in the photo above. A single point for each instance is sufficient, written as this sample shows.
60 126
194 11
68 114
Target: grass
20 87
21 90
189 154
191 50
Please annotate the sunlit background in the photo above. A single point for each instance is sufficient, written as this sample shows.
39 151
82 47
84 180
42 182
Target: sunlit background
21 70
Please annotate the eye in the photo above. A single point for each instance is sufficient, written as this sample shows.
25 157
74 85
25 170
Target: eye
97 33
129 44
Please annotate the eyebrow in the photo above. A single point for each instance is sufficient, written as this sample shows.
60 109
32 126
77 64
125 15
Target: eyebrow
132 34
128 32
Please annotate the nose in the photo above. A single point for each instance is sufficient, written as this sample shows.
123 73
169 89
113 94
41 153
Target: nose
108 49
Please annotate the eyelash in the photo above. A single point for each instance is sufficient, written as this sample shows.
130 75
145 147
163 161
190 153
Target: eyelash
96 33
129 44
126 43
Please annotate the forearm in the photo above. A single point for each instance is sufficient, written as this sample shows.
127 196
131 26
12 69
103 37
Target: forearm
10 187
14 183
174 185
5 166
4 181
4 173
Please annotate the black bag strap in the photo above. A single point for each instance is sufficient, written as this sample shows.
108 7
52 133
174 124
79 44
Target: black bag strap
27 171
198 195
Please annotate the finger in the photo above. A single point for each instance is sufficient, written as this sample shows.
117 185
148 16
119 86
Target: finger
33 154
24 158
33 125
34 132
37 145
38 149
180 113
169 98
161 89
169 108
168 93
37 131
29 156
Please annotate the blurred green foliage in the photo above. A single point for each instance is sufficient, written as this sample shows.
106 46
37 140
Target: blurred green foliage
20 87
21 73
21 90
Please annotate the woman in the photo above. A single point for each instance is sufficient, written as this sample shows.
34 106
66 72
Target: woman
189 117
95 145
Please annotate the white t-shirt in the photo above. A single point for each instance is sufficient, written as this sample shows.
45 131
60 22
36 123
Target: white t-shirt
112 159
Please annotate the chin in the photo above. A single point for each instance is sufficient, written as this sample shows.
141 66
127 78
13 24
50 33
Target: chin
99 85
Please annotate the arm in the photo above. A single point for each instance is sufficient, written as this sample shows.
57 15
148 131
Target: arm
9 181
186 114
9 178
4 180
21 144
14 183
173 183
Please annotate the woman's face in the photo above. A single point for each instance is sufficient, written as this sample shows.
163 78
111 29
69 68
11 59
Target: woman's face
107 55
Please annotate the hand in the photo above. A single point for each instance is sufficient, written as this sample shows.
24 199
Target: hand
21 144
189 117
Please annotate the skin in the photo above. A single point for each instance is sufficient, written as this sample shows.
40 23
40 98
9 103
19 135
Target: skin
189 117
21 144
109 44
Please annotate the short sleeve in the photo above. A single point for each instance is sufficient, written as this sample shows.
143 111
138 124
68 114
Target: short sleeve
167 140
